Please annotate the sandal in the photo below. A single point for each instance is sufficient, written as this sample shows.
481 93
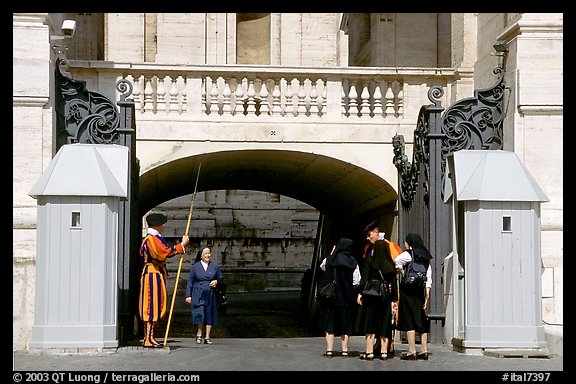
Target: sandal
367 356
345 354
208 341
383 356
198 339
329 354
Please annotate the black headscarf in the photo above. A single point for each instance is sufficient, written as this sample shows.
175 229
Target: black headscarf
418 248
342 255
199 254
381 258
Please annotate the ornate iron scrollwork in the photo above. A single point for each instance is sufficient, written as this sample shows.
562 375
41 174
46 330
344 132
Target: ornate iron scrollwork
82 116
125 88
409 172
470 123
475 122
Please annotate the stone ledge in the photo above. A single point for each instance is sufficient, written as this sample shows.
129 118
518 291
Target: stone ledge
541 353
71 351
92 351
141 349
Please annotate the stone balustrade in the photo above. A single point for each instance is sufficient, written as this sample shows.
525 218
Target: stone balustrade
248 92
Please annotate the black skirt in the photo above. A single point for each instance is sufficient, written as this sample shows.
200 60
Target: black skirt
375 317
411 314
337 320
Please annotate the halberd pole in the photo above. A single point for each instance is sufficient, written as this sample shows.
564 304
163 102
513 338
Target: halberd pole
181 257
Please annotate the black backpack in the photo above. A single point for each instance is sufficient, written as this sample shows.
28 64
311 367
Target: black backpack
414 276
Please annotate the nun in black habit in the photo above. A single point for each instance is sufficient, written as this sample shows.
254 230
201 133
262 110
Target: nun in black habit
336 316
375 314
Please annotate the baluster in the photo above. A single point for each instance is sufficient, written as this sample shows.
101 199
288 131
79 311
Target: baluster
204 107
214 107
148 104
399 99
313 100
264 107
301 99
322 104
226 107
184 95
377 100
173 96
251 109
161 96
344 103
136 93
289 99
239 99
389 102
365 101
276 109
353 103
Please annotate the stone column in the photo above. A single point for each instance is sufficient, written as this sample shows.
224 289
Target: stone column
275 37
182 38
535 67
31 151
128 26
291 48
230 38
464 31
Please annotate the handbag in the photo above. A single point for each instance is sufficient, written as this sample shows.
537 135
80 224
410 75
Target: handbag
327 288
376 288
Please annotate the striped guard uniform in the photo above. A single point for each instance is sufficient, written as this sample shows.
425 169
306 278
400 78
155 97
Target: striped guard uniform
153 254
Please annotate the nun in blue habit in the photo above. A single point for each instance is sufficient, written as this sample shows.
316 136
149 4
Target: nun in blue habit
203 278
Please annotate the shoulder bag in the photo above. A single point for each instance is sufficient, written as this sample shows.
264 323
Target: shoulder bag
327 288
376 288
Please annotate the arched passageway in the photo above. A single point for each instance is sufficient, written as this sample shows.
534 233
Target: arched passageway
345 195
336 188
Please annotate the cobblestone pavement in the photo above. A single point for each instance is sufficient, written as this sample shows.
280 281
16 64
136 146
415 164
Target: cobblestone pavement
263 333
275 354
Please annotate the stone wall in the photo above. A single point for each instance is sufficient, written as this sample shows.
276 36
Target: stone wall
534 130
261 240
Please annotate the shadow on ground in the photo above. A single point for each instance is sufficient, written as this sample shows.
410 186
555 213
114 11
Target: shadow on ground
249 315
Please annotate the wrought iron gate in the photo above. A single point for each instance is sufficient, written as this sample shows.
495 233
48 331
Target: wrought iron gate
470 123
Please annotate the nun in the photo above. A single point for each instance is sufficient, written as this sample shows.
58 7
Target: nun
205 275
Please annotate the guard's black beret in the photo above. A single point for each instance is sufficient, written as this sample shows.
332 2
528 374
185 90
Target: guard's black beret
155 219
370 227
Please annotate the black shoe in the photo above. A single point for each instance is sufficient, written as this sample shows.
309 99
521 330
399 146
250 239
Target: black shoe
383 356
153 346
408 356
422 356
367 356
329 354
151 343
